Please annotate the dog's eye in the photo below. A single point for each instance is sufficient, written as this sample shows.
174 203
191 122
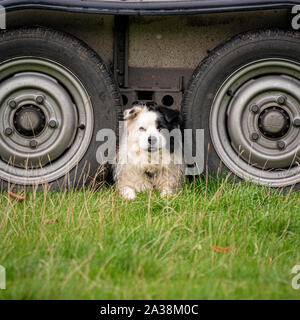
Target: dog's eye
142 129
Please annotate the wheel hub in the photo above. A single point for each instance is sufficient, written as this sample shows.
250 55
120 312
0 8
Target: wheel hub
41 105
274 122
264 137
32 102
29 120
255 122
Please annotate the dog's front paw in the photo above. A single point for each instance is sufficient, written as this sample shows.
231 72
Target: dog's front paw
167 193
128 193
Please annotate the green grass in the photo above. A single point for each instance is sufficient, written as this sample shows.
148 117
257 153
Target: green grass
103 247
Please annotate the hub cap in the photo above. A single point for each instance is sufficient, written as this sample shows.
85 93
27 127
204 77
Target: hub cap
255 129
29 120
274 122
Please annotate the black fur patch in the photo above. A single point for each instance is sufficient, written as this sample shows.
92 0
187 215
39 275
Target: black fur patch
171 117
168 119
149 174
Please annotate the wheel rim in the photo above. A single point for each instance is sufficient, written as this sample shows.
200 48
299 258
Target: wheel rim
255 122
46 120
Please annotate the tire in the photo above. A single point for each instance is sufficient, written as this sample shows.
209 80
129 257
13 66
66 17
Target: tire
245 95
55 95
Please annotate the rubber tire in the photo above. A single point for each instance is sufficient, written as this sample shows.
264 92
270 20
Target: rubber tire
90 70
217 67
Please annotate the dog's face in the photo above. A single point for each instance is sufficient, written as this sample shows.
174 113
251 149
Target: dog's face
148 126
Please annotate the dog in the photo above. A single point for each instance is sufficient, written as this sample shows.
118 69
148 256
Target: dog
150 155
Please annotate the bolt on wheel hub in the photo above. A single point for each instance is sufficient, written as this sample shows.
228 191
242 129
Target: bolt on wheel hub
29 120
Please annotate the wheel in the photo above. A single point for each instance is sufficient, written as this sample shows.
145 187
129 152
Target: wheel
246 97
55 95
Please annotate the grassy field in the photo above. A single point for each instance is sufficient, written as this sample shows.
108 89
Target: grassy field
215 240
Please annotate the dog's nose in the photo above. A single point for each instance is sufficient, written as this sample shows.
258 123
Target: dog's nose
152 140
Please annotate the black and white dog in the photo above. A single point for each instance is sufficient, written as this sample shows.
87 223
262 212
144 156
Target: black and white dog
150 152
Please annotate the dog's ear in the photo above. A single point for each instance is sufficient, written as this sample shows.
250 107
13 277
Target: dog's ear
171 116
132 113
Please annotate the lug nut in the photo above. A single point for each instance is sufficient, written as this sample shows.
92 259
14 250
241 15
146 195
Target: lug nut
281 145
230 93
52 123
39 99
297 122
255 108
33 144
8 131
12 103
281 99
254 136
